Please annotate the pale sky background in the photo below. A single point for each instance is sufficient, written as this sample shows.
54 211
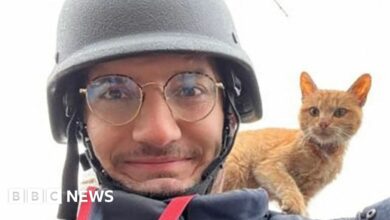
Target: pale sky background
334 40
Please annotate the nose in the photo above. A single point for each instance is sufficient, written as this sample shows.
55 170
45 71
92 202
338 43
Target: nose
324 124
155 124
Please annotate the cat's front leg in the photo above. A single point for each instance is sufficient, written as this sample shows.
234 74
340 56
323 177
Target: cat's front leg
293 204
279 184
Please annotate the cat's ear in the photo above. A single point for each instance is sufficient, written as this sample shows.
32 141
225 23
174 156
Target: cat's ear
307 85
361 87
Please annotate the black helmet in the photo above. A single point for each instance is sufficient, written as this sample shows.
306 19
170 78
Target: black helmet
93 31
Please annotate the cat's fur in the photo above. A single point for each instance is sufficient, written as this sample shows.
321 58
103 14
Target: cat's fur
294 164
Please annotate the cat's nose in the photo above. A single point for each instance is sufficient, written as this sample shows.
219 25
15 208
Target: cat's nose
324 124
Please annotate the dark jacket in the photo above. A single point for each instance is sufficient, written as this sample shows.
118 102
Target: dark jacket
245 204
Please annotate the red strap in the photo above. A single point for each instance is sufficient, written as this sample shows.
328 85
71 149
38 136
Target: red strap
175 208
85 207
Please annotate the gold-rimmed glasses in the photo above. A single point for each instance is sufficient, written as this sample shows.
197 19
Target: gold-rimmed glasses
117 99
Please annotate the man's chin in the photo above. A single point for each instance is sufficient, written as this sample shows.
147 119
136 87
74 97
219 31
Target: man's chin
160 188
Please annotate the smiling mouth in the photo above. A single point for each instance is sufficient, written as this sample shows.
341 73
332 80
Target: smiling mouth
156 160
157 163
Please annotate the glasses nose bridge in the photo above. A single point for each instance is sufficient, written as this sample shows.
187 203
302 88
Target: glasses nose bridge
148 84
155 84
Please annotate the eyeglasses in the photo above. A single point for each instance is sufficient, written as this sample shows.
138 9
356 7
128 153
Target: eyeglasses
117 99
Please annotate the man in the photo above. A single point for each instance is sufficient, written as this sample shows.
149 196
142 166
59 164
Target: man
156 91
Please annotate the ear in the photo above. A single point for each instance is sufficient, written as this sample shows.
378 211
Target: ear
307 85
361 87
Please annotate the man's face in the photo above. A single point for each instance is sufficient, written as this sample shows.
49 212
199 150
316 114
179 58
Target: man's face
156 153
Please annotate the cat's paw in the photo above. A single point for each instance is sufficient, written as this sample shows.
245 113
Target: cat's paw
294 206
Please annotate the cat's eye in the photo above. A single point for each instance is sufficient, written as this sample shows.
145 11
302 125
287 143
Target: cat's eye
340 112
314 111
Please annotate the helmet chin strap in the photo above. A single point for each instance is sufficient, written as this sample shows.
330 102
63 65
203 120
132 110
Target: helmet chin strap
231 124
68 209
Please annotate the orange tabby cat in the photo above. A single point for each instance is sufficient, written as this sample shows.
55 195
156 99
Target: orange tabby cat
291 164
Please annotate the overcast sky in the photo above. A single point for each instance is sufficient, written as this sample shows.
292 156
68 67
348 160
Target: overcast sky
335 41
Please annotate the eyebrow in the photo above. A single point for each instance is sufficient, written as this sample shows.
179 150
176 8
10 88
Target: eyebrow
196 69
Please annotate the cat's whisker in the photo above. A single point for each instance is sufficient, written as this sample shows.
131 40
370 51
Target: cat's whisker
307 135
344 134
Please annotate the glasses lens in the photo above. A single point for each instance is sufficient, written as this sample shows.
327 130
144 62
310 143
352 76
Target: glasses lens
191 96
115 99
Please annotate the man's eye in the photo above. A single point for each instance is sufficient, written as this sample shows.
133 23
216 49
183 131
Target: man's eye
114 94
189 91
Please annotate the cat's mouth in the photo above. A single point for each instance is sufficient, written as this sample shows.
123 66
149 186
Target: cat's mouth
324 137
323 133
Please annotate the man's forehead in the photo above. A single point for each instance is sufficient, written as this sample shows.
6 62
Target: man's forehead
173 62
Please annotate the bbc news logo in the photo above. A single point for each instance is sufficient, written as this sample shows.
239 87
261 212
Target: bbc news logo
53 196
